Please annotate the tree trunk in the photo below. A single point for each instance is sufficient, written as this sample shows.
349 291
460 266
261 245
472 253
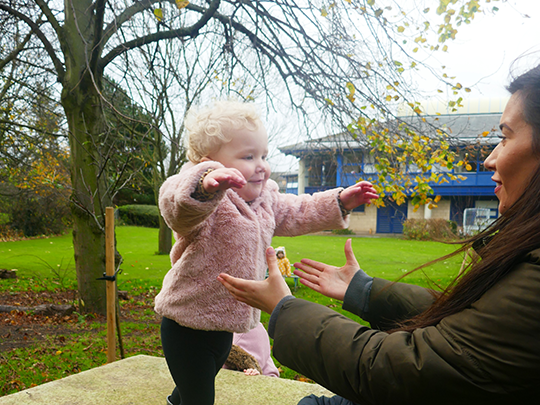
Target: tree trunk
165 233
165 238
89 194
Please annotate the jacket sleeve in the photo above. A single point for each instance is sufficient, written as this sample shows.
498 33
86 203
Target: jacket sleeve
181 212
486 354
391 302
299 215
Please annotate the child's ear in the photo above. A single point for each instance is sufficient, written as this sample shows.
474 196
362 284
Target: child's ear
205 159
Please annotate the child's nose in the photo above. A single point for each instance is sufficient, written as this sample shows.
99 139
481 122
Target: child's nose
261 166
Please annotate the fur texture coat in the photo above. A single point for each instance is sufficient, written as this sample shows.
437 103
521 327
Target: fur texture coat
226 234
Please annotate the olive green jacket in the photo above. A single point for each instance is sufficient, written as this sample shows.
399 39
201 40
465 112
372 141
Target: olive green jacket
486 354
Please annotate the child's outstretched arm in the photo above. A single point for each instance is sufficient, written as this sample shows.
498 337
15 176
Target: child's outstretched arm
358 194
223 179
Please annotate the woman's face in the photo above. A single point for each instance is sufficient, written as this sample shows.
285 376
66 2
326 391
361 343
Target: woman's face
513 160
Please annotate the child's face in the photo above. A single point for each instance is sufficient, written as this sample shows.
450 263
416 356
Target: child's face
280 255
247 153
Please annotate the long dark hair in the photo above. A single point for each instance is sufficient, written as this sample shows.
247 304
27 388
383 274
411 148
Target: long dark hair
508 240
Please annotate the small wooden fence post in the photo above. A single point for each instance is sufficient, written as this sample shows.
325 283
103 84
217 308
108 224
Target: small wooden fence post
111 285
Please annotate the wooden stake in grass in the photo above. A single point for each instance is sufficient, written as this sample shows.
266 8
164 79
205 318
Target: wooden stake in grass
111 285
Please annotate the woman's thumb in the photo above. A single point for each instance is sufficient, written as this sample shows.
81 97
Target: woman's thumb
349 254
271 260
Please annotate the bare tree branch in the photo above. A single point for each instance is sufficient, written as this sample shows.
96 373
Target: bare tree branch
59 67
191 31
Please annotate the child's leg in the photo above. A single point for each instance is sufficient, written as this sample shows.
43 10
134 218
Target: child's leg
315 400
194 358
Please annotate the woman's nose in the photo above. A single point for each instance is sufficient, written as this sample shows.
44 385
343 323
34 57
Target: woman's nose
489 163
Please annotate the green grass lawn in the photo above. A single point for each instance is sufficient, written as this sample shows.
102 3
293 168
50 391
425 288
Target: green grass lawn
51 259
78 342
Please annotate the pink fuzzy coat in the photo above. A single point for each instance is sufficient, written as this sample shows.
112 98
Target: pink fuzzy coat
226 234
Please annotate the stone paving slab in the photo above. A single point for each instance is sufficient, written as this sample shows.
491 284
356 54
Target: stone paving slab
145 380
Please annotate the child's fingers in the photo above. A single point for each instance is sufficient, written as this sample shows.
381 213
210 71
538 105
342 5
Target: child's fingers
213 183
236 182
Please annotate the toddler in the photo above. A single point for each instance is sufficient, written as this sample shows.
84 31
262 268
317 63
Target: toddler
283 263
224 211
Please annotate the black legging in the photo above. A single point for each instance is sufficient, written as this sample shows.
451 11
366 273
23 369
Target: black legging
194 358
315 400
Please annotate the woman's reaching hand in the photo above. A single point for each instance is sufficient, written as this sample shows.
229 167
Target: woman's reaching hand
328 280
265 294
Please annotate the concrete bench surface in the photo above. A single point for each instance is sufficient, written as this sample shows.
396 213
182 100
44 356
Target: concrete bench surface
145 380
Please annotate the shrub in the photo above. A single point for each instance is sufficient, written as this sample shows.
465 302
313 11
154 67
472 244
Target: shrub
40 215
4 218
8 234
139 215
345 231
430 229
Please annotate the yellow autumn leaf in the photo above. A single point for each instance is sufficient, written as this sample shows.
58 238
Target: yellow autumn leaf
181 4
388 98
348 1
158 13
485 133
324 13
468 167
437 198
352 90
401 29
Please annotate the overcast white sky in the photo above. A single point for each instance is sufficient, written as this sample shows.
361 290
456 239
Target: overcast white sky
482 53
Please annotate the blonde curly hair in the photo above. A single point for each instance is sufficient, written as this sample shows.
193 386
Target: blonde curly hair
208 128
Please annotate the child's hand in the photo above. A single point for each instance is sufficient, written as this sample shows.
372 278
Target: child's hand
251 371
223 179
361 193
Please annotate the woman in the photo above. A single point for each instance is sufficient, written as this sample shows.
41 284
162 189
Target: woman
478 342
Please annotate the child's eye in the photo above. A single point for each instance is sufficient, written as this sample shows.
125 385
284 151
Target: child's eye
264 157
249 157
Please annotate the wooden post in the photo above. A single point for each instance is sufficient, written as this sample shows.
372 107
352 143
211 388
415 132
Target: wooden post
111 285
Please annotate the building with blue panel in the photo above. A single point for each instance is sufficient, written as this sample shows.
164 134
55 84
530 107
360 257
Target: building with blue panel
340 160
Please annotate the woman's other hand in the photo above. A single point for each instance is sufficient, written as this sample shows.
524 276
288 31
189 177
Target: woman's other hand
328 280
265 294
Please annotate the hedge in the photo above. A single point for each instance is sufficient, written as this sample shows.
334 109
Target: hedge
430 229
139 215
